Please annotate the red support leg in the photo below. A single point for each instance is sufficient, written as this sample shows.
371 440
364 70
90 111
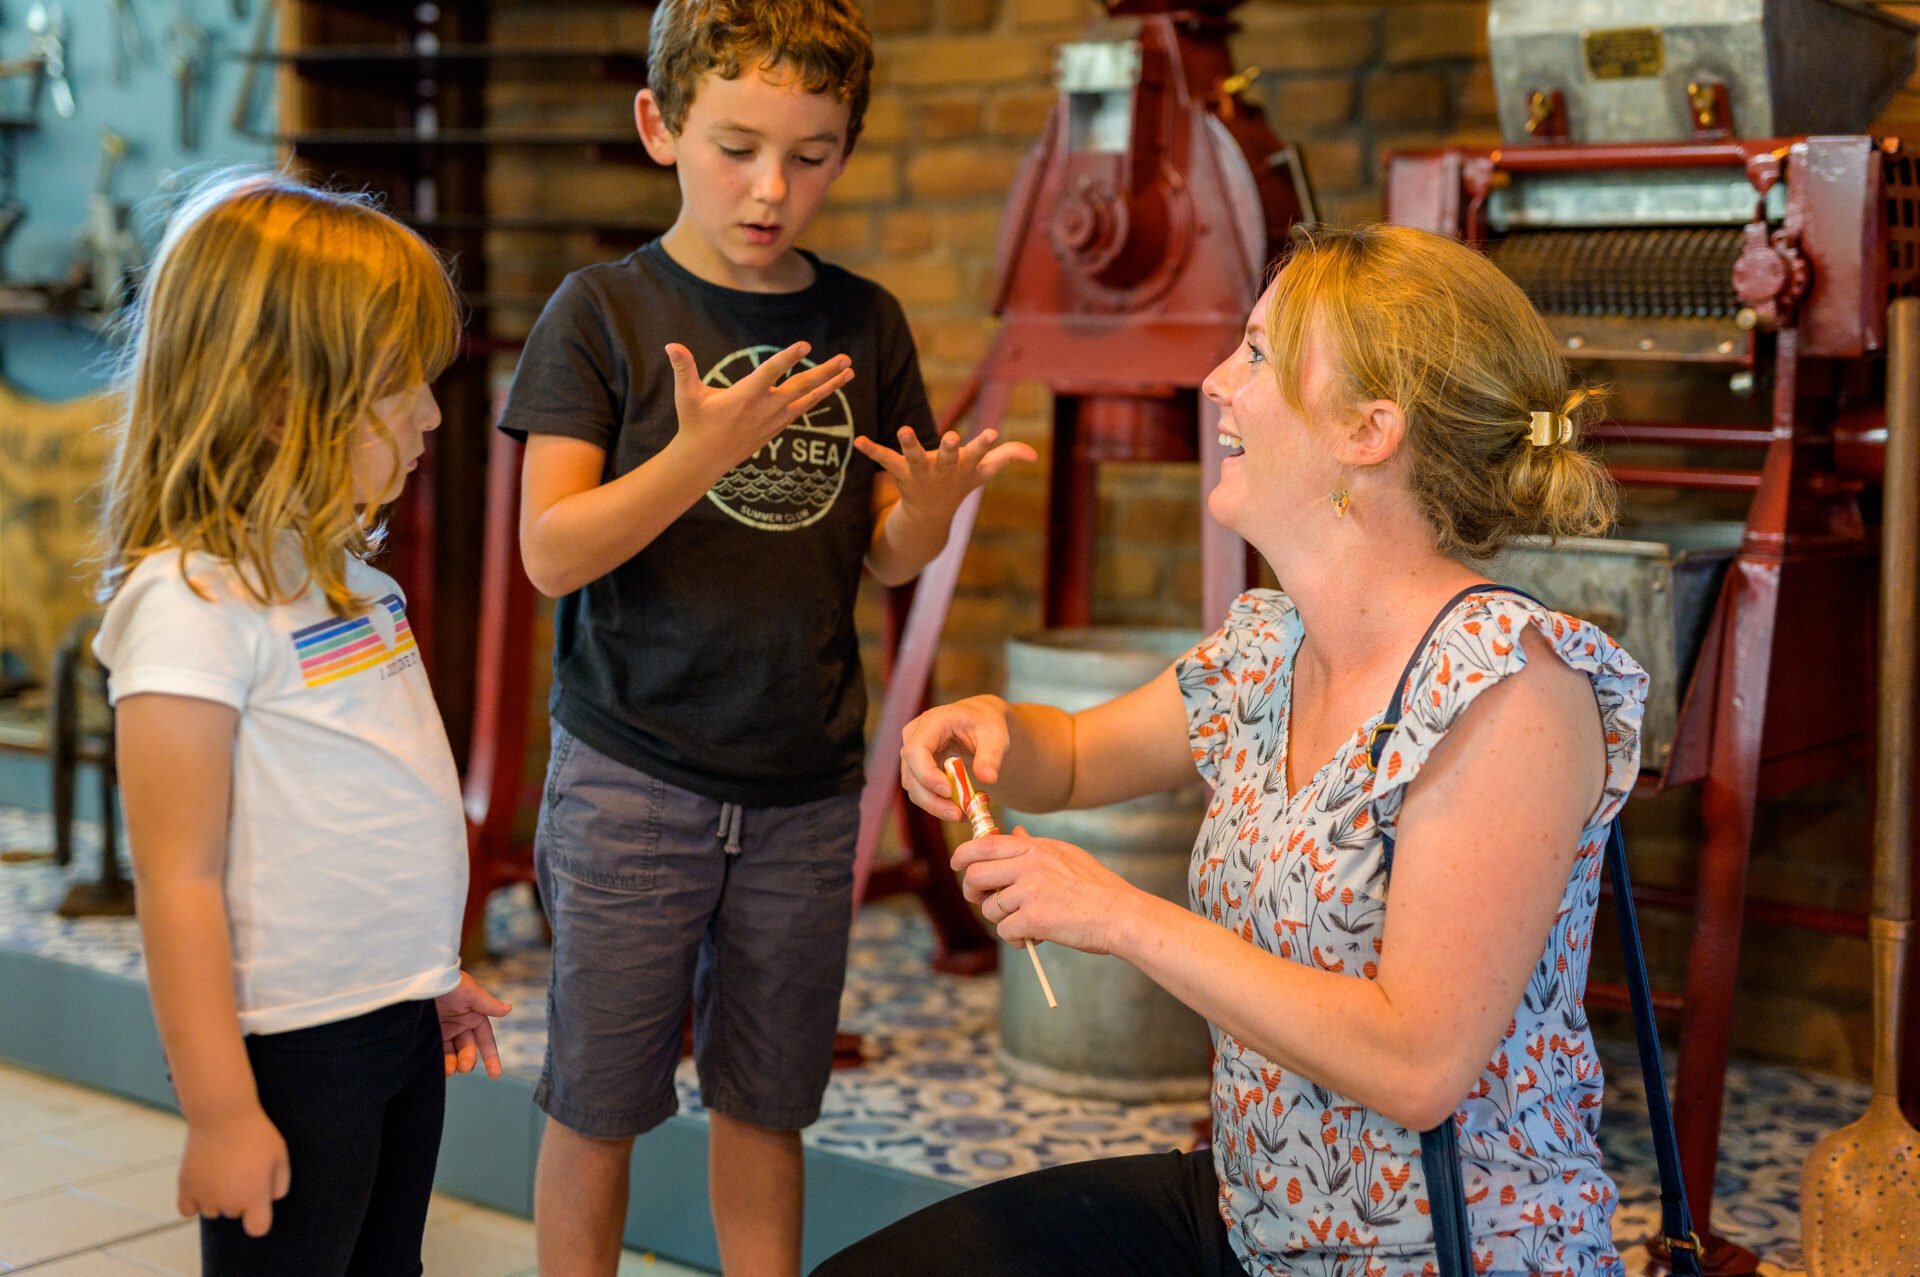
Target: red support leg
1073 508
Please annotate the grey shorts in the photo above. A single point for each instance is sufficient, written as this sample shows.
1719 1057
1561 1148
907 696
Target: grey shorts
660 897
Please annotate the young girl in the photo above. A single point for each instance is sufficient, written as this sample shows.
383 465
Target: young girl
296 827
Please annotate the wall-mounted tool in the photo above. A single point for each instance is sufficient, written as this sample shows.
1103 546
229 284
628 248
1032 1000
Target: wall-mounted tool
129 44
109 251
188 45
49 28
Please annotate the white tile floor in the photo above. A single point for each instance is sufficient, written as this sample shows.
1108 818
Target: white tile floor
87 1190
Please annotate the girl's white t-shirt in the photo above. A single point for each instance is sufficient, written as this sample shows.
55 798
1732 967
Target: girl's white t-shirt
346 847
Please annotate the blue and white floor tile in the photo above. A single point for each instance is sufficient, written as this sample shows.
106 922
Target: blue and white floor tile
931 1101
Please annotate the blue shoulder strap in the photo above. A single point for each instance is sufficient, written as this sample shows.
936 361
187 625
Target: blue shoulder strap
1439 1147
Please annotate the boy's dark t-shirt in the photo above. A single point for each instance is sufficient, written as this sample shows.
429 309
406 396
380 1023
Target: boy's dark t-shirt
723 657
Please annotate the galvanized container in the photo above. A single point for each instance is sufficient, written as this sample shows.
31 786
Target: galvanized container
1116 1035
1623 66
1652 589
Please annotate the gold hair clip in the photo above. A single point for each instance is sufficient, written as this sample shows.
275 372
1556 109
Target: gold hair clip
1550 428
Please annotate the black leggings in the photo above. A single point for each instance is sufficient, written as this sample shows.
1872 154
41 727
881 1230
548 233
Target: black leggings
360 1104
1156 1215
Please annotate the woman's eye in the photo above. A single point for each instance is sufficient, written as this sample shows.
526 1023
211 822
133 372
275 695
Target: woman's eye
1253 354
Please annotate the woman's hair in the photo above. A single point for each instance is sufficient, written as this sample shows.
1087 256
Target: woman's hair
272 318
1434 326
823 43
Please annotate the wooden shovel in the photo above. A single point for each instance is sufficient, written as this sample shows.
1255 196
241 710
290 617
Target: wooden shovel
1860 1187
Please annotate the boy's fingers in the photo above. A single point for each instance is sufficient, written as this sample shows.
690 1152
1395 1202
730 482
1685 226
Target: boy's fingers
1005 455
886 458
257 1218
949 449
814 396
910 446
774 367
686 375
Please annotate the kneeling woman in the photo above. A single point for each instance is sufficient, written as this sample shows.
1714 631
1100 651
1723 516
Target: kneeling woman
1396 411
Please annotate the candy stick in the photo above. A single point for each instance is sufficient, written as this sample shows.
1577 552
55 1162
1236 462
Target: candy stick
972 801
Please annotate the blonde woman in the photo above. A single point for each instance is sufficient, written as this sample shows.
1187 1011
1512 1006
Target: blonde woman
295 822
1396 411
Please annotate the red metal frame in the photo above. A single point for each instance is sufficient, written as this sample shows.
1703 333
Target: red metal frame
1771 704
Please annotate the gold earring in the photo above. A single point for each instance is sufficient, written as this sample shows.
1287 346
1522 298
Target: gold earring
1341 498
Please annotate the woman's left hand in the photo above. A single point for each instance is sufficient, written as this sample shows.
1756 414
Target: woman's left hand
1044 889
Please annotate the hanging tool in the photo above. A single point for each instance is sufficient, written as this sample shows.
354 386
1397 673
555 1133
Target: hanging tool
49 28
187 46
257 53
129 44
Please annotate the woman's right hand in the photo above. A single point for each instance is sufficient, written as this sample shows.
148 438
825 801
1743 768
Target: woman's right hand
975 728
235 1168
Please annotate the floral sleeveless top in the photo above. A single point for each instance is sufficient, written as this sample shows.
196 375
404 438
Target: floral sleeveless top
1315 1185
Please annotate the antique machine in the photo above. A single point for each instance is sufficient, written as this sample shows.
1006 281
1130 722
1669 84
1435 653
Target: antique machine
1688 194
1132 248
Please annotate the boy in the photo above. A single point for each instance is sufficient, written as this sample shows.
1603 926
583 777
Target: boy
700 496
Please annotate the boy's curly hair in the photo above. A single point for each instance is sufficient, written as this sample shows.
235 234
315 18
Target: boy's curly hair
824 44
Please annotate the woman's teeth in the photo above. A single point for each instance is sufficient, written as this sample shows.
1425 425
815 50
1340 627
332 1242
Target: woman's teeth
1230 442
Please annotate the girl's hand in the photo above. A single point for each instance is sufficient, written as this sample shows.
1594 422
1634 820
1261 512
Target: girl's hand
975 727
933 484
235 1168
1043 889
732 423
466 1026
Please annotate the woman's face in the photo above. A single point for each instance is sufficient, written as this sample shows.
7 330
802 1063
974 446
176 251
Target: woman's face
1277 462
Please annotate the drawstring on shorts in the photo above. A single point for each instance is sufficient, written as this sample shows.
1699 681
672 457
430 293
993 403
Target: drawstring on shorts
729 831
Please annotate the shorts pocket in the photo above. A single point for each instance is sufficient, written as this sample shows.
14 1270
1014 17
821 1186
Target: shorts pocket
601 822
833 829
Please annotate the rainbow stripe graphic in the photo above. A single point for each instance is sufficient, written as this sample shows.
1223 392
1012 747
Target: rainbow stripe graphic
334 650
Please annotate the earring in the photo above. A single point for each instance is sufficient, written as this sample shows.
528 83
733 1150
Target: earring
1341 498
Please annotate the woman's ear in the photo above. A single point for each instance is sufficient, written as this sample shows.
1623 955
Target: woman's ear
1376 434
652 126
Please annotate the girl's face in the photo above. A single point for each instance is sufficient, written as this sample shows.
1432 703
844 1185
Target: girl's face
383 460
1277 461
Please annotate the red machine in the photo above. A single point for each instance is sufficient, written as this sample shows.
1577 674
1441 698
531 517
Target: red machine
1754 276
1133 247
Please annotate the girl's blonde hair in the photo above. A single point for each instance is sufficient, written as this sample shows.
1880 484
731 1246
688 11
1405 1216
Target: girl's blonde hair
1435 327
272 318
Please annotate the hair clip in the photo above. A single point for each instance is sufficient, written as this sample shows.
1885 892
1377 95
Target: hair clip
1549 428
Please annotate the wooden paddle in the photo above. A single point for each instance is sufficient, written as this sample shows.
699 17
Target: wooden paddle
1860 1187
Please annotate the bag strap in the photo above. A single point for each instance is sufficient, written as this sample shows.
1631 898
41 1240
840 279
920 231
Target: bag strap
1440 1147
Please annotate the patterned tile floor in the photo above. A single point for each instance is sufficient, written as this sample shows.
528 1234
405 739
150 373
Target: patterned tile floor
930 1100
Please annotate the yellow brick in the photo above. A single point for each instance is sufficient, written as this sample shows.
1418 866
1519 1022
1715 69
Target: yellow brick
894 17
949 116
1404 97
1297 103
950 61
1053 13
1306 37
906 232
1474 101
1021 112
1428 32
886 121
923 283
837 232
960 340
872 176
958 171
1337 164
1126 574
968 15
969 230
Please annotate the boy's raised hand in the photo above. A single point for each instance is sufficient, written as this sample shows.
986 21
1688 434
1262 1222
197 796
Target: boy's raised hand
935 483
734 422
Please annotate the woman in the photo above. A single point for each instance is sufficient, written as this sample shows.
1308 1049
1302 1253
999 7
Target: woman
1396 411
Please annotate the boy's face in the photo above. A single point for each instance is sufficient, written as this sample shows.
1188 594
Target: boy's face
756 155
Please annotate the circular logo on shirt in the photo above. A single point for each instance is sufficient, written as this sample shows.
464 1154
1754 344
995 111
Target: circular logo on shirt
796 477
